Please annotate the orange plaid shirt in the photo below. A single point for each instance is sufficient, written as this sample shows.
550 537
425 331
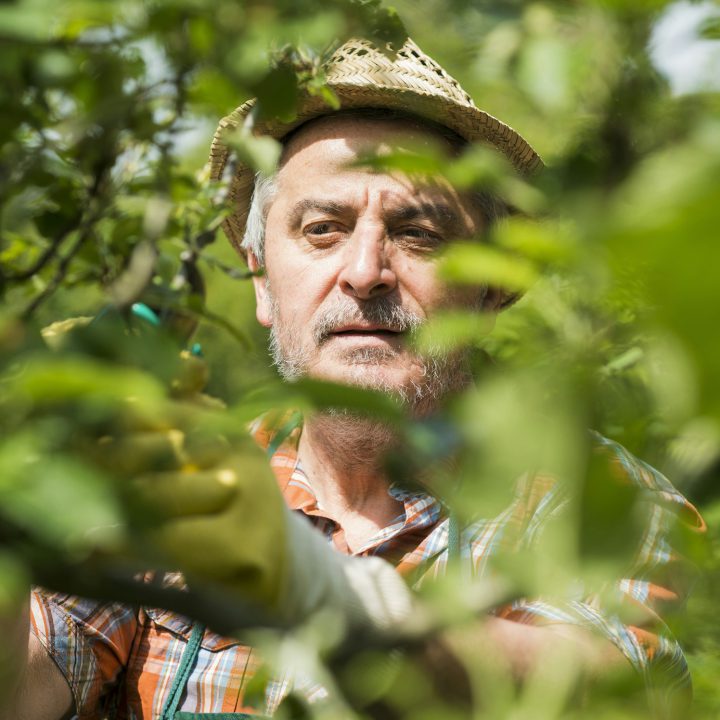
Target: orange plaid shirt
123 659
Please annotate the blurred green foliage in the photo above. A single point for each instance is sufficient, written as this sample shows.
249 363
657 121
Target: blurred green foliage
108 110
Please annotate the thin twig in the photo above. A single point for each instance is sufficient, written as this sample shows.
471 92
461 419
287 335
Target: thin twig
47 255
59 276
60 42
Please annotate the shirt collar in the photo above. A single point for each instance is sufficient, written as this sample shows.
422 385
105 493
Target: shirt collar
278 434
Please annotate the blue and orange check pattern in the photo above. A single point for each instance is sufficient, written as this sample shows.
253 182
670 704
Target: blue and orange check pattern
119 657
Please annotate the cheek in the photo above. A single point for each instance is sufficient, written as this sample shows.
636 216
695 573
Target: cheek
302 274
298 289
421 282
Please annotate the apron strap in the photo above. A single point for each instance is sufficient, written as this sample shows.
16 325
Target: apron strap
293 422
187 663
454 542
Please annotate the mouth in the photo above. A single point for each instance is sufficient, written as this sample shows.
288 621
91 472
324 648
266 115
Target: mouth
365 331
368 333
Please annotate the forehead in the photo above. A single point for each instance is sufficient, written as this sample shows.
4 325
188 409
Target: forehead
333 145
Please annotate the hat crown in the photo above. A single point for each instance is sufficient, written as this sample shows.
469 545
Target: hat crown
359 62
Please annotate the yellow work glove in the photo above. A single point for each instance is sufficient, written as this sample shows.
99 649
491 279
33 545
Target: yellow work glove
215 516
201 494
220 519
196 495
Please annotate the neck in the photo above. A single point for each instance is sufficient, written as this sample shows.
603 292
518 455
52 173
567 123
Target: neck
342 455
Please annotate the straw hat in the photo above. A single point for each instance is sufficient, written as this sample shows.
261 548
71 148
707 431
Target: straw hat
364 77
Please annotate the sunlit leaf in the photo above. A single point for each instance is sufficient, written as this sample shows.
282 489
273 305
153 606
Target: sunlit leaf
476 264
261 153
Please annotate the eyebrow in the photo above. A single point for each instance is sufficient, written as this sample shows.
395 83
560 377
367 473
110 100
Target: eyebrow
330 207
437 211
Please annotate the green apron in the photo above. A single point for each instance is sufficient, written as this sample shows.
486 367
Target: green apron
187 663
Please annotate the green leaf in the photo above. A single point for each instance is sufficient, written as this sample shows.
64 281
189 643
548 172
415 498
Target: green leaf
476 264
79 509
260 153
309 395
449 330
710 28
46 379
277 94
543 241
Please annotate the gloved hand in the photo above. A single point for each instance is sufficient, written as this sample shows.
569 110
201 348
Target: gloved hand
215 511
113 470
197 496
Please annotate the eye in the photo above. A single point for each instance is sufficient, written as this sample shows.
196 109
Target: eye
419 237
321 228
323 233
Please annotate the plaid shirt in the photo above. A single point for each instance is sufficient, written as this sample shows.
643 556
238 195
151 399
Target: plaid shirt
116 656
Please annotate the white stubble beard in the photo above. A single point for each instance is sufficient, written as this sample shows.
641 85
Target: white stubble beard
440 373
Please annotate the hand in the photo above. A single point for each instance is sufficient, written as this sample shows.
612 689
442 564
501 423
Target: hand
199 503
154 475
223 523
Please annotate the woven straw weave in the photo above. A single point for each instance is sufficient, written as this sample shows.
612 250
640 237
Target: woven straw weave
362 76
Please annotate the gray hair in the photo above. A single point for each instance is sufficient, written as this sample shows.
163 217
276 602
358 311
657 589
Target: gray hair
263 194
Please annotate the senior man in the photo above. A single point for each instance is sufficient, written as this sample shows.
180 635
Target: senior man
350 270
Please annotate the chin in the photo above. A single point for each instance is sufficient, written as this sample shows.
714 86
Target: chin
367 376
420 385
379 367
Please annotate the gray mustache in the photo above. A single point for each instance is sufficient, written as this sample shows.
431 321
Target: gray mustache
376 311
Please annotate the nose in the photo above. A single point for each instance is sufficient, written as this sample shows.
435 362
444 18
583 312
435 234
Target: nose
366 272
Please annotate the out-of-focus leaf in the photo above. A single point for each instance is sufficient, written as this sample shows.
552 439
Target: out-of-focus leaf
541 241
25 21
476 264
710 28
261 153
546 64
449 330
14 582
277 94
85 512
19 209
136 277
65 379
157 215
668 235
213 92
313 395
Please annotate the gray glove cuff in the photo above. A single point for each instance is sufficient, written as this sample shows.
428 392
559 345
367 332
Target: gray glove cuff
367 591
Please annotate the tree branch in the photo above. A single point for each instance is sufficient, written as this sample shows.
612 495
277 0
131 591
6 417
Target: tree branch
47 255
59 276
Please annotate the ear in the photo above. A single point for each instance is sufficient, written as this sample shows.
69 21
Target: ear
263 305
494 302
497 299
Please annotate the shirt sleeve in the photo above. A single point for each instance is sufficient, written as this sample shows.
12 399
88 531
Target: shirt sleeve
89 641
632 612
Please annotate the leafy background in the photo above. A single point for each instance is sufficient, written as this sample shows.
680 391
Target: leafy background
108 110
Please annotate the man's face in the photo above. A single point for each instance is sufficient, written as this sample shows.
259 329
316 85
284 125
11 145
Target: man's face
351 261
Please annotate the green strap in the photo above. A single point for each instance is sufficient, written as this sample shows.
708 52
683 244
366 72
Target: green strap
294 421
454 553
187 663
217 716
